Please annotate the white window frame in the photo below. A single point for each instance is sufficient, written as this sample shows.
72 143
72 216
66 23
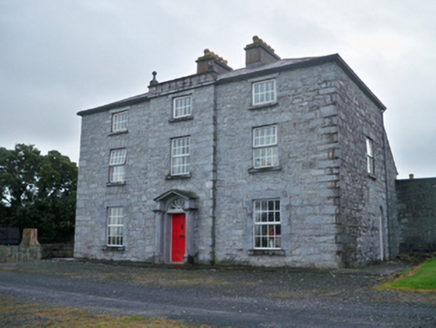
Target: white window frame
267 224
115 227
370 161
262 96
180 155
119 121
265 148
117 167
180 108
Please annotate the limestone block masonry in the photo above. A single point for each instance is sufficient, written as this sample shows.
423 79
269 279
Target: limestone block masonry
332 213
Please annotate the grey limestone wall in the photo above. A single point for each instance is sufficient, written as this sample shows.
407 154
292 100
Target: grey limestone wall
417 214
362 220
305 182
147 143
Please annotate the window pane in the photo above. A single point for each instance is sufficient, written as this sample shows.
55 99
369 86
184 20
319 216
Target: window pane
370 164
265 136
180 146
264 217
118 157
182 106
369 147
277 216
115 226
264 92
119 121
265 157
369 156
264 242
267 229
117 173
278 242
180 156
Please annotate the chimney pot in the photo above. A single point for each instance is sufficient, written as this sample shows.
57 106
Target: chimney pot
411 176
259 53
211 62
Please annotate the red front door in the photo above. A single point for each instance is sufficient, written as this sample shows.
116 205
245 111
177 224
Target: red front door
178 237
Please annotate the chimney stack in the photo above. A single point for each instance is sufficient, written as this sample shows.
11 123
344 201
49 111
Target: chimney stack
411 176
259 53
212 62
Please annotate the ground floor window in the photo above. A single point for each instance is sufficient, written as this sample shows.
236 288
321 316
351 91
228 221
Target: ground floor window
115 226
267 227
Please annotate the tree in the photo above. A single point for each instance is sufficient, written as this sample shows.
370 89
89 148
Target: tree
37 191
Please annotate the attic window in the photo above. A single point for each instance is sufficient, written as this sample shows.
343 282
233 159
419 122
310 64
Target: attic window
119 121
182 107
264 92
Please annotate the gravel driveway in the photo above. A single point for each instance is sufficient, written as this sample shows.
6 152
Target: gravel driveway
237 297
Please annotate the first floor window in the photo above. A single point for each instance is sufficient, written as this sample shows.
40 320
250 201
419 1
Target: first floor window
119 121
115 226
180 155
369 156
264 92
265 151
117 167
267 227
182 107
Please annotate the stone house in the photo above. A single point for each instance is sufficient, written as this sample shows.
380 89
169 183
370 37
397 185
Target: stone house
284 162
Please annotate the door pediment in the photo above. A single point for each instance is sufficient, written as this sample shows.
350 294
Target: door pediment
186 200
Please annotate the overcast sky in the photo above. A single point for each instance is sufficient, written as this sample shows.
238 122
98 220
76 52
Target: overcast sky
61 57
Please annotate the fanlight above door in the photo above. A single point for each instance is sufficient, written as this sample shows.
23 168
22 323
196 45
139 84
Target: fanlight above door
176 205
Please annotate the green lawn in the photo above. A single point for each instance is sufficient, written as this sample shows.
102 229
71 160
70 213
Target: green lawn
423 278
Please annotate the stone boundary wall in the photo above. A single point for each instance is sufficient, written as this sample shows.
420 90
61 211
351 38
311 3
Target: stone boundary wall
417 214
61 250
10 254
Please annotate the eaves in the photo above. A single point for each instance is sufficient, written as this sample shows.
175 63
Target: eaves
335 58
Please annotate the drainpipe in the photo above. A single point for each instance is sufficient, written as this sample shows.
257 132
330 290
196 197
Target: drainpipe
388 210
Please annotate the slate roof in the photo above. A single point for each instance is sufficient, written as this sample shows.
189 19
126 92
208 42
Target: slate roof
247 72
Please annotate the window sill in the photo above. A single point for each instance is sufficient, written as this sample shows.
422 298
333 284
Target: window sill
181 119
262 106
264 169
372 176
113 248
178 177
115 184
118 132
266 252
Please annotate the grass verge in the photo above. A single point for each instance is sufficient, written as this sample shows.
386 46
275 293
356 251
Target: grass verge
422 279
18 313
